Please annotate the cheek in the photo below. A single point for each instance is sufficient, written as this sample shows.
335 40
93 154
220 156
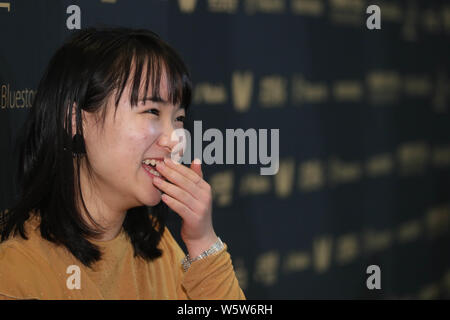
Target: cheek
122 152
153 129
137 140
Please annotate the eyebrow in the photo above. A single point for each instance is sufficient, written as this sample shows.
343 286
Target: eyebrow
158 100
155 99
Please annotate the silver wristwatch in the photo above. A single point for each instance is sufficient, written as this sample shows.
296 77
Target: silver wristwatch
216 247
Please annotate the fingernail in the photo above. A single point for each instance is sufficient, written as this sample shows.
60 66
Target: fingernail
197 161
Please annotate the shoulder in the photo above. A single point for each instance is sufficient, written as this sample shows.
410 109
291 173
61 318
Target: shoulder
24 265
16 250
18 269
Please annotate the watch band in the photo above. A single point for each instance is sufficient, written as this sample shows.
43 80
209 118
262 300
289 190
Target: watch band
216 247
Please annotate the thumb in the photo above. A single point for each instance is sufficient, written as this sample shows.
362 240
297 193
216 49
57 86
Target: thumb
196 165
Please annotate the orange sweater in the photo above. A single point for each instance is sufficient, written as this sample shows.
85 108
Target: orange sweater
38 269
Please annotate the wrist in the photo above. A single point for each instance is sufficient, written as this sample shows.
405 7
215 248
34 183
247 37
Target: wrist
216 247
196 247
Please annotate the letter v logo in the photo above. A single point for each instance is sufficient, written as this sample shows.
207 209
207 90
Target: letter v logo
242 86
187 6
5 5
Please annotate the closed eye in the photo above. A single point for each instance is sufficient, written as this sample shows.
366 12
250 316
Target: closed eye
154 111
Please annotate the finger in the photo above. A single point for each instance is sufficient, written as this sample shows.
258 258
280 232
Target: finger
187 172
174 176
180 180
196 165
182 210
178 194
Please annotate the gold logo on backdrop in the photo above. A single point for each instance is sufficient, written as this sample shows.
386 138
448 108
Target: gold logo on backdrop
304 91
241 272
254 184
391 12
430 21
307 7
441 156
380 164
209 93
347 91
412 157
383 86
343 172
417 85
429 292
187 6
272 91
224 6
15 99
440 95
311 175
410 22
409 231
377 240
322 248
284 180
6 5
446 280
437 220
347 11
296 261
222 186
265 6
242 88
446 18
346 248
266 268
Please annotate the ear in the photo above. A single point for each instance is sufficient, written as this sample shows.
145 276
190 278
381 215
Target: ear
74 119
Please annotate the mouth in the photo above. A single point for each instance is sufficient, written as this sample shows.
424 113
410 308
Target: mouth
149 165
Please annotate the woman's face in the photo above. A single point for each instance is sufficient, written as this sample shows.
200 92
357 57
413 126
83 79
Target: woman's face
131 136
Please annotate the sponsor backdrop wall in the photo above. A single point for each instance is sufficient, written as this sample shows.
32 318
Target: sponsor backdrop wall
363 119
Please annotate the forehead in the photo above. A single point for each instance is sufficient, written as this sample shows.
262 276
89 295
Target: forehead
149 80
161 82
161 97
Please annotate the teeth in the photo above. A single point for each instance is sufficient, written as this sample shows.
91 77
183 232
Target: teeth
147 162
155 172
151 162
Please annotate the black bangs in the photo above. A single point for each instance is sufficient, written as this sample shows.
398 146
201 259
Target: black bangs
143 64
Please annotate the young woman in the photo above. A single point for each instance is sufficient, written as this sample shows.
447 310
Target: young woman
97 181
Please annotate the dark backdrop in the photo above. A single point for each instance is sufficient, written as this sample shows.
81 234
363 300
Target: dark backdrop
364 131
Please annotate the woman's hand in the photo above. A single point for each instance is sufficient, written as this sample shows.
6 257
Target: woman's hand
190 196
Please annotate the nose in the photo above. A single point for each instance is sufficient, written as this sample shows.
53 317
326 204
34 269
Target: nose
165 141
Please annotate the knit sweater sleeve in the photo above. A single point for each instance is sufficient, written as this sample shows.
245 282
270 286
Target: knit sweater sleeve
211 278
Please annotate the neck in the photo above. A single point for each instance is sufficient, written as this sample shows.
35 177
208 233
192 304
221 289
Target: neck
108 219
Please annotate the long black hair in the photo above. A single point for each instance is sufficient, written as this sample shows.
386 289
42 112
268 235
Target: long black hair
91 66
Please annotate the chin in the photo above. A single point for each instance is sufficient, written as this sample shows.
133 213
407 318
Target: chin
153 199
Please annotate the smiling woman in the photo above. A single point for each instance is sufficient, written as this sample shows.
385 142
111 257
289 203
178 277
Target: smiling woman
96 181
